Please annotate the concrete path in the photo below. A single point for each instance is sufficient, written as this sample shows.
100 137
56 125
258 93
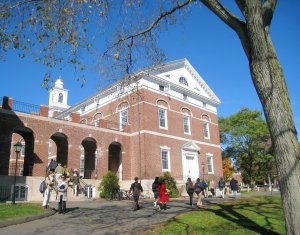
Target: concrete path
103 217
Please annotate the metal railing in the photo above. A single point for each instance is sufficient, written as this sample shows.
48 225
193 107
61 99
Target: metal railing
23 107
5 193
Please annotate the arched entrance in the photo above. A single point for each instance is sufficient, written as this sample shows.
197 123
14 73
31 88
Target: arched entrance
115 159
26 156
61 141
90 146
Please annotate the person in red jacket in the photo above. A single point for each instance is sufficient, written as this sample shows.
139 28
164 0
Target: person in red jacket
163 195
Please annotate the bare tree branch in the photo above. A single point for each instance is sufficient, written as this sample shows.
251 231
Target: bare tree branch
241 5
268 9
231 20
151 26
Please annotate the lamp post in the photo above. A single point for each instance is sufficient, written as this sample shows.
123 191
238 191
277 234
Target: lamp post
18 146
203 165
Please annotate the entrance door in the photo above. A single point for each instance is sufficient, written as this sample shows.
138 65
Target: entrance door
190 163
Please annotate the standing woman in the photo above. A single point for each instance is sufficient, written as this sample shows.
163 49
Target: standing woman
163 195
190 190
62 188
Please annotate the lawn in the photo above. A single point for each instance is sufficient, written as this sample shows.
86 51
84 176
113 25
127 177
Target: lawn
19 210
249 215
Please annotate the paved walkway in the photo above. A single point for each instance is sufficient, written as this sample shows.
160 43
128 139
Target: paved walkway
103 217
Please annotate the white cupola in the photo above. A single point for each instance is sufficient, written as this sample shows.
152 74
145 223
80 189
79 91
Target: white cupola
58 98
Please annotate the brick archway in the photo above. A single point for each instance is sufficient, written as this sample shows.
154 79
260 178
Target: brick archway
115 159
61 141
90 145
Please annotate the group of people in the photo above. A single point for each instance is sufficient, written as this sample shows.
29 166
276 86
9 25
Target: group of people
200 189
57 180
161 194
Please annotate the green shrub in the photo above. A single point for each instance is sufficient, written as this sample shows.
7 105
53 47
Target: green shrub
170 184
109 186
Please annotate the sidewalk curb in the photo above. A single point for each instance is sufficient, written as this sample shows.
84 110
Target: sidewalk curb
27 219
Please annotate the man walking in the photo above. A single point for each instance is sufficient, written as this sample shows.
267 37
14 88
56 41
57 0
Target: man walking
221 185
136 189
234 186
50 184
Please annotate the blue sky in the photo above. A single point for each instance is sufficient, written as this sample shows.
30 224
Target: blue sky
210 46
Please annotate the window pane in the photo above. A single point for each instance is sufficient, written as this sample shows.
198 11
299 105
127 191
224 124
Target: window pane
164 158
162 118
186 124
206 130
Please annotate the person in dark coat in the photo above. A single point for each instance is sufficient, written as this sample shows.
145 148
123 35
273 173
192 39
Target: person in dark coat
234 186
136 189
155 190
52 165
190 190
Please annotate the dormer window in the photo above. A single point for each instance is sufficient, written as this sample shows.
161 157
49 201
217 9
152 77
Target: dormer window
184 97
183 81
161 88
60 98
82 109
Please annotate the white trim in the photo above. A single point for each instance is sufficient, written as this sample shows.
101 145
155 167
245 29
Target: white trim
166 150
165 118
211 157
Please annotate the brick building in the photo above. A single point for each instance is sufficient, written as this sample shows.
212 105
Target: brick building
164 118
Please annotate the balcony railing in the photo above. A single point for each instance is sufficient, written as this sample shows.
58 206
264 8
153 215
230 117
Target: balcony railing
23 107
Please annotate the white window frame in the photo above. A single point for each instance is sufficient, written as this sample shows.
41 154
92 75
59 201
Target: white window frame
22 153
186 124
123 118
161 119
210 164
206 131
97 123
165 156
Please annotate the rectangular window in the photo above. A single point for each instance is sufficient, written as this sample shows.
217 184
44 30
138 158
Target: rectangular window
186 125
161 88
163 118
123 119
23 150
206 130
97 123
184 96
165 160
210 164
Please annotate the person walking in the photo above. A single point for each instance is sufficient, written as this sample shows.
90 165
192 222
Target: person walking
155 190
136 189
189 186
221 186
163 195
75 181
52 165
59 171
234 186
62 188
50 184
198 191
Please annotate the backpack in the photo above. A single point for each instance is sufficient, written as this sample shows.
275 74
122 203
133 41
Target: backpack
43 186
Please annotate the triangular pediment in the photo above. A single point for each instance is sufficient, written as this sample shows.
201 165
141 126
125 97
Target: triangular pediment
191 146
172 72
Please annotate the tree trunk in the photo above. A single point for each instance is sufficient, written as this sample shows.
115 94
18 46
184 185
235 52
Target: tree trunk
269 81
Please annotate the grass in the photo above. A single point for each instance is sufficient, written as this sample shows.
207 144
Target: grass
250 215
19 210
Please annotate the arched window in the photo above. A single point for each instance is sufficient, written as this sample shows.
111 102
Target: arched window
183 81
60 98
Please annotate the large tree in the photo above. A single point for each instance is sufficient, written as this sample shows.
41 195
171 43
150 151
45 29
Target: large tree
135 39
245 136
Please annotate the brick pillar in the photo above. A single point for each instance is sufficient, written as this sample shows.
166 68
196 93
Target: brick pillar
44 110
75 117
7 103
